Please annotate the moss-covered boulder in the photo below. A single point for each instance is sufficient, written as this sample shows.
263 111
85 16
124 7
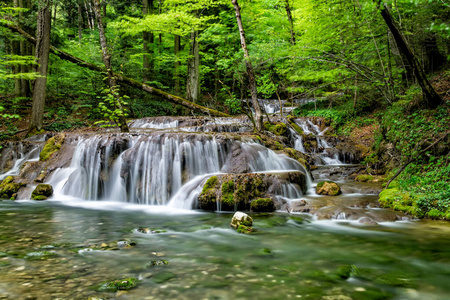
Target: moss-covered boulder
9 188
115 285
42 192
329 188
231 192
262 205
52 146
364 178
240 218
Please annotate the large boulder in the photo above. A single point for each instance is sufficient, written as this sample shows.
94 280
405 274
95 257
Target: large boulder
329 188
9 188
231 192
42 192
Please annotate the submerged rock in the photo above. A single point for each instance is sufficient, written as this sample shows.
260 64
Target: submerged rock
115 285
329 188
240 218
42 192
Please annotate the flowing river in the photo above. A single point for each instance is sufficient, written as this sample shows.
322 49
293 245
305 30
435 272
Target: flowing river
125 205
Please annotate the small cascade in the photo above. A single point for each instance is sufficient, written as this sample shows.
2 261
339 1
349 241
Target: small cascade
15 155
318 145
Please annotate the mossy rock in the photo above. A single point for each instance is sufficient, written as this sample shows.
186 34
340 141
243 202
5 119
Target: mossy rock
9 188
207 198
262 205
277 129
344 272
115 285
42 192
329 188
240 218
52 146
364 178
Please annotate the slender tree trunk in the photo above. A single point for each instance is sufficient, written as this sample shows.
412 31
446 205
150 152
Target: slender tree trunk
176 75
42 57
250 73
80 22
24 50
291 21
193 80
430 98
145 40
107 61
15 50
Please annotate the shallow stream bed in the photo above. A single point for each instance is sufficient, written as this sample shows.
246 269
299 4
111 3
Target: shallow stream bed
46 253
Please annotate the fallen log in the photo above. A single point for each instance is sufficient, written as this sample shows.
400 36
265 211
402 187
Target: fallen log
120 78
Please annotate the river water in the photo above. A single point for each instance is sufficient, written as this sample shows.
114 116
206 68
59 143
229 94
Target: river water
314 247
45 255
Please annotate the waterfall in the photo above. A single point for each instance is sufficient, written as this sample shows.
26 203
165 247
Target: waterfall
18 154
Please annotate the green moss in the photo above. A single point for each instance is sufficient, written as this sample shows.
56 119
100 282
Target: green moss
328 188
42 192
8 188
401 279
435 214
41 255
364 178
244 229
277 129
115 285
344 272
262 205
228 193
51 146
209 184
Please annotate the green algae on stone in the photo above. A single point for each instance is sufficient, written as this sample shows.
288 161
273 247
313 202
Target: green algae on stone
364 178
262 205
52 146
115 285
277 129
244 229
9 188
42 192
329 188
344 272
40 255
157 262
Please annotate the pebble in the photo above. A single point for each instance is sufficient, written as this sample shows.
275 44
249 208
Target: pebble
20 268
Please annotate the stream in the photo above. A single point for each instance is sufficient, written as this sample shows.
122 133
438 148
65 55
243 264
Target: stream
125 205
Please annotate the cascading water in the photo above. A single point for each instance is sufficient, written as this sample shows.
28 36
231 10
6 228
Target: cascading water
157 168
17 154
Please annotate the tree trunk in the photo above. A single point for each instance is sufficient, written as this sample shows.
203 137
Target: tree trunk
80 22
176 75
250 73
120 78
193 80
430 98
145 42
291 21
24 50
107 61
41 56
